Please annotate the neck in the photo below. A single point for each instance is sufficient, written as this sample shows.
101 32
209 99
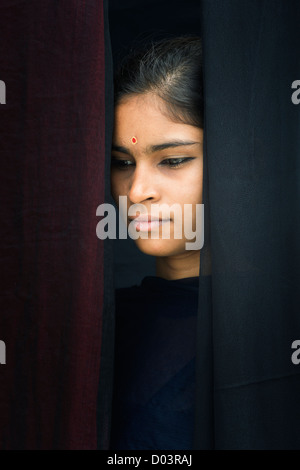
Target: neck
180 266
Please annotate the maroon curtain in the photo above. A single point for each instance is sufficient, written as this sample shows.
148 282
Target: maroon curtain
52 180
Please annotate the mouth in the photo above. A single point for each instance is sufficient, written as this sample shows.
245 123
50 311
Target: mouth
146 224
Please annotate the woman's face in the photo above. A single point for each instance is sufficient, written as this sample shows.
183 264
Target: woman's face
163 166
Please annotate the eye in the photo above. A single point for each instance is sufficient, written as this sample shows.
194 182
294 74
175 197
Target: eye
176 162
121 164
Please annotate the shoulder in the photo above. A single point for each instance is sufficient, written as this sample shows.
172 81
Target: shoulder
127 292
128 300
156 296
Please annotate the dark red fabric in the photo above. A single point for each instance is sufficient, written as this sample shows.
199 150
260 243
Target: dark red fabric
52 139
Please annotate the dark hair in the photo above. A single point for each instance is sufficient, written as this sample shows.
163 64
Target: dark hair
170 68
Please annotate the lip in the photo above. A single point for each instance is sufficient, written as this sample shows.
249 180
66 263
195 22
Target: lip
146 224
139 218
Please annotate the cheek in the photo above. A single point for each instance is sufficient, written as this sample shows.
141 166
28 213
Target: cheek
190 192
117 185
195 187
189 188
113 186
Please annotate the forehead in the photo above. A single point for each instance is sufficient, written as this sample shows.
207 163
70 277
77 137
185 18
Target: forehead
145 117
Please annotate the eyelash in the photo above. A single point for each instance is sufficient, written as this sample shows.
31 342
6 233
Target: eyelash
123 164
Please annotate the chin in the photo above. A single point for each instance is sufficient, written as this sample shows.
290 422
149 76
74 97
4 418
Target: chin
161 247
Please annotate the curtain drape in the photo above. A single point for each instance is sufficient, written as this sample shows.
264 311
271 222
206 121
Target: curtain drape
56 303
248 385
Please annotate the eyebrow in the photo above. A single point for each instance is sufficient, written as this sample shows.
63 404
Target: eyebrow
158 147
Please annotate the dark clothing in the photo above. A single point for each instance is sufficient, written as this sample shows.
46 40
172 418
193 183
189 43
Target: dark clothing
153 406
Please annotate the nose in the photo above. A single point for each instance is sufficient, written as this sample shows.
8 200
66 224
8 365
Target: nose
143 185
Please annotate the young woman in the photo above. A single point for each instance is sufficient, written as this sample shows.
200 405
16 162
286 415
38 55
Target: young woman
157 159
